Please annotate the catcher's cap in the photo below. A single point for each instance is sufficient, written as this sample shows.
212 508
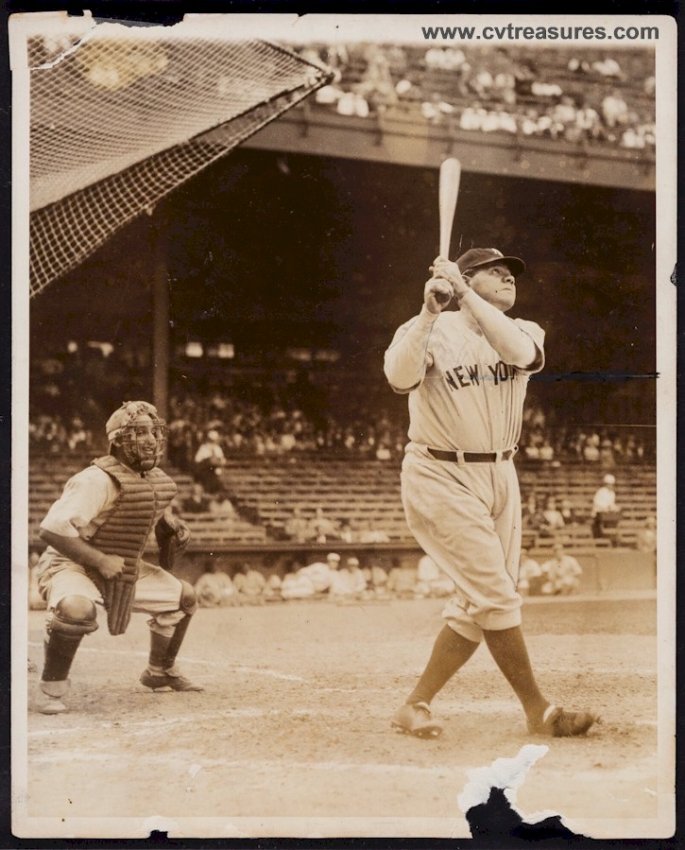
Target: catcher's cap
609 479
474 258
127 413
332 556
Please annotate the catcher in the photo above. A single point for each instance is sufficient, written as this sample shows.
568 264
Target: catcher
96 534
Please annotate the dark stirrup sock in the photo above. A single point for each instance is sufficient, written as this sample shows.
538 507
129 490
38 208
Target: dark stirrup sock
508 648
450 652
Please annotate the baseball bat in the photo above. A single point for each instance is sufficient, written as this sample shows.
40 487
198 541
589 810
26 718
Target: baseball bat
450 175
448 192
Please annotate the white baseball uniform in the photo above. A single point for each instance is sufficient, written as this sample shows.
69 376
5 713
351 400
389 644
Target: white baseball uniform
465 513
563 573
87 500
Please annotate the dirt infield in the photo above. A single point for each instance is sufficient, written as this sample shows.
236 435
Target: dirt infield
294 724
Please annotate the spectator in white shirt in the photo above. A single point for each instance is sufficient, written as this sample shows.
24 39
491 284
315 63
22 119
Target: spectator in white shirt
321 573
531 576
563 573
348 581
215 589
431 580
614 110
553 517
605 512
209 462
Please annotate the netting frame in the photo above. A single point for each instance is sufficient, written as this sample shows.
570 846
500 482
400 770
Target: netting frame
51 245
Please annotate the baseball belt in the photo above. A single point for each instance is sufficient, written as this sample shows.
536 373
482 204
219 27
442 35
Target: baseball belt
472 457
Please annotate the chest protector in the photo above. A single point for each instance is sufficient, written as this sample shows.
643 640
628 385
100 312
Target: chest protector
141 500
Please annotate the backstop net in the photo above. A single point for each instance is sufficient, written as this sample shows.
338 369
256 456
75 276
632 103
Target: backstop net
117 122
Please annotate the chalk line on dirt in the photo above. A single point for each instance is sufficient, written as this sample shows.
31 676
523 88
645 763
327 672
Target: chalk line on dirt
233 668
252 712
178 760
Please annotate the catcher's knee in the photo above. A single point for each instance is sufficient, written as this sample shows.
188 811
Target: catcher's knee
188 602
74 615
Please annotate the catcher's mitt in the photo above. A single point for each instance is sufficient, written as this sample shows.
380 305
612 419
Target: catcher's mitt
172 540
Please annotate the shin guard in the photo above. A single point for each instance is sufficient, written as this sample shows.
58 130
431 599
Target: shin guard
74 617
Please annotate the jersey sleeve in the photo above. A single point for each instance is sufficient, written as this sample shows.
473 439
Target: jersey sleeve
85 496
408 355
537 334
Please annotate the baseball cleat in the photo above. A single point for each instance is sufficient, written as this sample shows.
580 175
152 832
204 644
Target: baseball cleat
156 681
46 704
415 719
49 697
558 723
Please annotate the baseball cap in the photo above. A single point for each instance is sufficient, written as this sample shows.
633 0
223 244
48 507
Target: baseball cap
476 257
127 413
332 556
609 479
353 562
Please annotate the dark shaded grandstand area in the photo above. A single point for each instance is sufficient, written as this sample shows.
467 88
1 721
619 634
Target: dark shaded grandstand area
299 268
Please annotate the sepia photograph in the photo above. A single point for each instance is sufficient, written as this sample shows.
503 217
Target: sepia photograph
343 489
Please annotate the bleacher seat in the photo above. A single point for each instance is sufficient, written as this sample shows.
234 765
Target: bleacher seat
265 490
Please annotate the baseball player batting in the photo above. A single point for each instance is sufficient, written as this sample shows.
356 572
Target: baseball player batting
466 372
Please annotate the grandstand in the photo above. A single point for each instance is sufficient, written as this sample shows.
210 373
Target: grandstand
265 492
573 114
518 76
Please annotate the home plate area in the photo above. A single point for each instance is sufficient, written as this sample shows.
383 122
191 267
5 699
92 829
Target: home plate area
294 721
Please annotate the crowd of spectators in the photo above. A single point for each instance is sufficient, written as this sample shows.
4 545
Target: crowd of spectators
207 429
217 503
335 579
495 90
550 517
73 391
552 443
553 518
204 430
321 528
54 433
558 576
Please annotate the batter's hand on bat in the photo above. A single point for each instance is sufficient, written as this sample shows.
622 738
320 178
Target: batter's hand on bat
437 294
448 270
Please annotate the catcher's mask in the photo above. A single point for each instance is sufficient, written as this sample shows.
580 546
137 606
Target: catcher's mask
137 436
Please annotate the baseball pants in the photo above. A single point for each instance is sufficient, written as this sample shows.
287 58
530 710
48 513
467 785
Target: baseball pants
157 593
467 517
